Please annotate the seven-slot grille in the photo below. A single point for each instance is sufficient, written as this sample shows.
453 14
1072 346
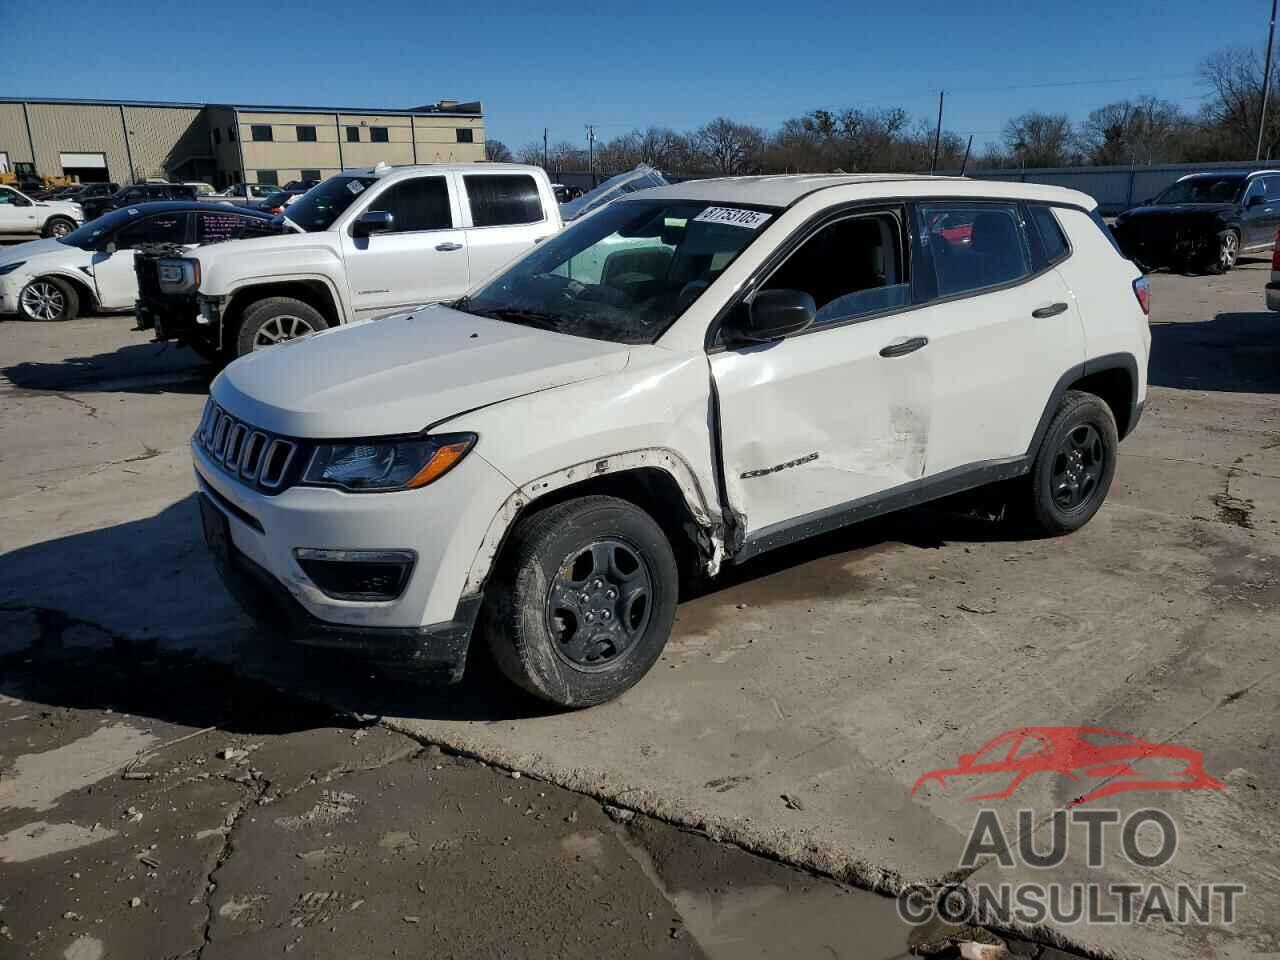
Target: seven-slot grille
254 456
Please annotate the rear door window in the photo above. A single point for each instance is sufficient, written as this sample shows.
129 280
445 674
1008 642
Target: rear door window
217 226
503 199
418 204
974 245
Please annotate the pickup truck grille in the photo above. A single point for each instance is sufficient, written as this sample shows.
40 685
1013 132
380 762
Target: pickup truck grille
254 457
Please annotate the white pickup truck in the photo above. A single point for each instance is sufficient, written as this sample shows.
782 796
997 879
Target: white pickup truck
48 218
362 244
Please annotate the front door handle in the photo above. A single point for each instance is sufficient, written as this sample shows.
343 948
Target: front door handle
1052 310
446 247
903 347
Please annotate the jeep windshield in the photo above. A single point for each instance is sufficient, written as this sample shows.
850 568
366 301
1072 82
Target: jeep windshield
1202 190
321 205
623 274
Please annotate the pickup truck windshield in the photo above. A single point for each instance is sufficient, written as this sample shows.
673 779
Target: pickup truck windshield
323 204
623 274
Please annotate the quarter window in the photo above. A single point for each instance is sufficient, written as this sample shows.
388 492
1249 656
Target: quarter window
418 204
974 245
1051 236
378 135
852 268
261 132
306 134
503 199
165 228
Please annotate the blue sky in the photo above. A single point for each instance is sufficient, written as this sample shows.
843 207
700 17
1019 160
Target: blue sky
623 65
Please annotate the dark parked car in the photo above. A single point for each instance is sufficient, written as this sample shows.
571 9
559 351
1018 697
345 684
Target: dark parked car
95 207
167 286
1203 222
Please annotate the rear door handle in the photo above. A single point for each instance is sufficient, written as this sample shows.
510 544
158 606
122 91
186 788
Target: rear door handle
903 347
446 247
1050 311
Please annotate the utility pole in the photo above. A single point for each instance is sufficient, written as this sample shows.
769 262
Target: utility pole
1266 81
544 148
937 136
591 151
965 164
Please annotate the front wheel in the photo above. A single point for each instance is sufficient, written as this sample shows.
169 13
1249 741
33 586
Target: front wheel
1076 463
276 320
583 601
48 298
58 227
1228 252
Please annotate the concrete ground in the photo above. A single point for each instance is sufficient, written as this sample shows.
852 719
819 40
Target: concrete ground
798 702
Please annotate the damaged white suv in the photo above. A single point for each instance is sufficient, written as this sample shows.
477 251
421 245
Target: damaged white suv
686 378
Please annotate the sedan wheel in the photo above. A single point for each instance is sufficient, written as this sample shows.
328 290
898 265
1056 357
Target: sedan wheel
48 299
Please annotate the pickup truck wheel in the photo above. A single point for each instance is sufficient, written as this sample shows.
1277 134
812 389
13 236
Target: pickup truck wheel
275 320
48 298
58 227
1076 463
583 601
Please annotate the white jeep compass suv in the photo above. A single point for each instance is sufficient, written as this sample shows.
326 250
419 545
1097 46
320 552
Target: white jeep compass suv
688 377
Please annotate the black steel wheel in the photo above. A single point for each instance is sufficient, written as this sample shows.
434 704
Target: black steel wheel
582 601
1074 466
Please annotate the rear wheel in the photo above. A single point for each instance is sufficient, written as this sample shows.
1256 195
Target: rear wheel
58 227
276 320
1076 463
583 601
48 299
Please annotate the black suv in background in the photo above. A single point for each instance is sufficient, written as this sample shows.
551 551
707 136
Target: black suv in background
95 207
1203 222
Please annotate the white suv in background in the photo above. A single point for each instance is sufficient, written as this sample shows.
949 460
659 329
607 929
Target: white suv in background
753 361
365 243
47 218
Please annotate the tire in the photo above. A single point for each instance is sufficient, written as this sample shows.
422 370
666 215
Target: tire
1075 465
274 320
57 227
600 548
1228 253
48 299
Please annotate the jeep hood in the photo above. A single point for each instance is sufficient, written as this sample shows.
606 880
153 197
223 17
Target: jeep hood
403 373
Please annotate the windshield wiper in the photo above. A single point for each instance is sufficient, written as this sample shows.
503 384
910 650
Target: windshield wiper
532 318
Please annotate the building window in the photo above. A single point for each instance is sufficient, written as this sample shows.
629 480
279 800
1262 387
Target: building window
465 135
353 134
270 178
231 134
310 175
306 134
378 135
217 135
261 132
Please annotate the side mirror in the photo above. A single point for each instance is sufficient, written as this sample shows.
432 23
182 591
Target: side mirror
373 221
109 247
772 315
1255 201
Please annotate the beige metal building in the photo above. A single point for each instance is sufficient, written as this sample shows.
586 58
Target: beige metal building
221 144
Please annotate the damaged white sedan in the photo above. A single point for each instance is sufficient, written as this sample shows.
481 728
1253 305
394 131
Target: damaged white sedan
686 378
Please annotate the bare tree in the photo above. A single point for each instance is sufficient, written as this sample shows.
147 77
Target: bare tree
730 148
496 151
530 153
1234 77
1041 139
1142 131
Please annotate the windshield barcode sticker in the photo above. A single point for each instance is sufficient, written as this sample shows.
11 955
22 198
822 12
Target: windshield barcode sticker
355 186
751 219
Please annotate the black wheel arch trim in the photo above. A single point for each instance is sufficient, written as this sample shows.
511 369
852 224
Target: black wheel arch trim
1109 361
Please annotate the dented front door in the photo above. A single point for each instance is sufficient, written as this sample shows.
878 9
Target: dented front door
821 419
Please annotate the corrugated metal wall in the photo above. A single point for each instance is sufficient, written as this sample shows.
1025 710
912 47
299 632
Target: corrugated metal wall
13 133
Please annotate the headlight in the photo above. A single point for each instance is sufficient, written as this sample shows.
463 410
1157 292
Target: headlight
10 267
395 465
178 275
